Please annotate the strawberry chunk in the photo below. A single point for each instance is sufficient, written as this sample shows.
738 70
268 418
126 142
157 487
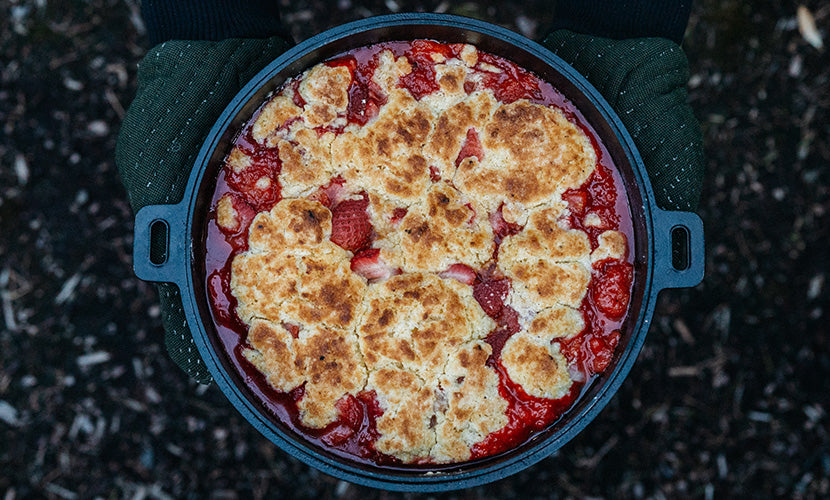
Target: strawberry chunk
601 187
331 194
471 147
435 174
602 350
491 294
293 329
512 83
350 226
369 265
398 214
421 80
611 287
577 200
502 228
461 273
350 411
257 181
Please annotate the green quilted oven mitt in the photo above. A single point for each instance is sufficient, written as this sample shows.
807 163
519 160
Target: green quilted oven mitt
183 86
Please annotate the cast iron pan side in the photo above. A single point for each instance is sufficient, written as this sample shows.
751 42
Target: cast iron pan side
185 265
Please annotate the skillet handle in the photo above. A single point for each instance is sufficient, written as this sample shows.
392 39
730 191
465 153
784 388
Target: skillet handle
679 254
165 261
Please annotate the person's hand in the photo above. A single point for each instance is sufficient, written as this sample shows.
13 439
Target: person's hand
184 86
644 80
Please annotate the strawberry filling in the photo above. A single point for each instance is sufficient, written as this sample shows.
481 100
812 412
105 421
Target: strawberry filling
365 97
435 174
258 184
592 206
397 215
512 83
356 429
420 81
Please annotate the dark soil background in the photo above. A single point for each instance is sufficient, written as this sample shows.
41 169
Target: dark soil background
728 398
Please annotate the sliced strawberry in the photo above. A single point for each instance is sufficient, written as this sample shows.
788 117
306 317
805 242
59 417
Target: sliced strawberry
512 83
470 147
509 319
369 265
365 96
502 228
350 226
337 434
469 86
421 80
490 294
461 273
611 287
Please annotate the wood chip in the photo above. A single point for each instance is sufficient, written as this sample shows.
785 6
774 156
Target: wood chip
8 414
21 169
684 331
68 289
684 371
93 358
807 28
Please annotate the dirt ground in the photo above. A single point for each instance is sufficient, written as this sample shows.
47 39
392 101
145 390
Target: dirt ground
728 397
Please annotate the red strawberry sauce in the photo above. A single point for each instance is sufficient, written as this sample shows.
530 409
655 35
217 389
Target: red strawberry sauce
603 309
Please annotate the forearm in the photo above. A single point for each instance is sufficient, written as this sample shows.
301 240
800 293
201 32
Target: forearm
624 18
211 19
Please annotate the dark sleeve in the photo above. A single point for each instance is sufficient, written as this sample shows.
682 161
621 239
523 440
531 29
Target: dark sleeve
624 18
211 19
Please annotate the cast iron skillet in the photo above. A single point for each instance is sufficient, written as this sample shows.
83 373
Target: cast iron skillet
668 246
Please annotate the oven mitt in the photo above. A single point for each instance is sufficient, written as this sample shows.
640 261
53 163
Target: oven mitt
183 86
644 80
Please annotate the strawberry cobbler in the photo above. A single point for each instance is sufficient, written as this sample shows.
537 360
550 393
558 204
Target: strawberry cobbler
417 254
